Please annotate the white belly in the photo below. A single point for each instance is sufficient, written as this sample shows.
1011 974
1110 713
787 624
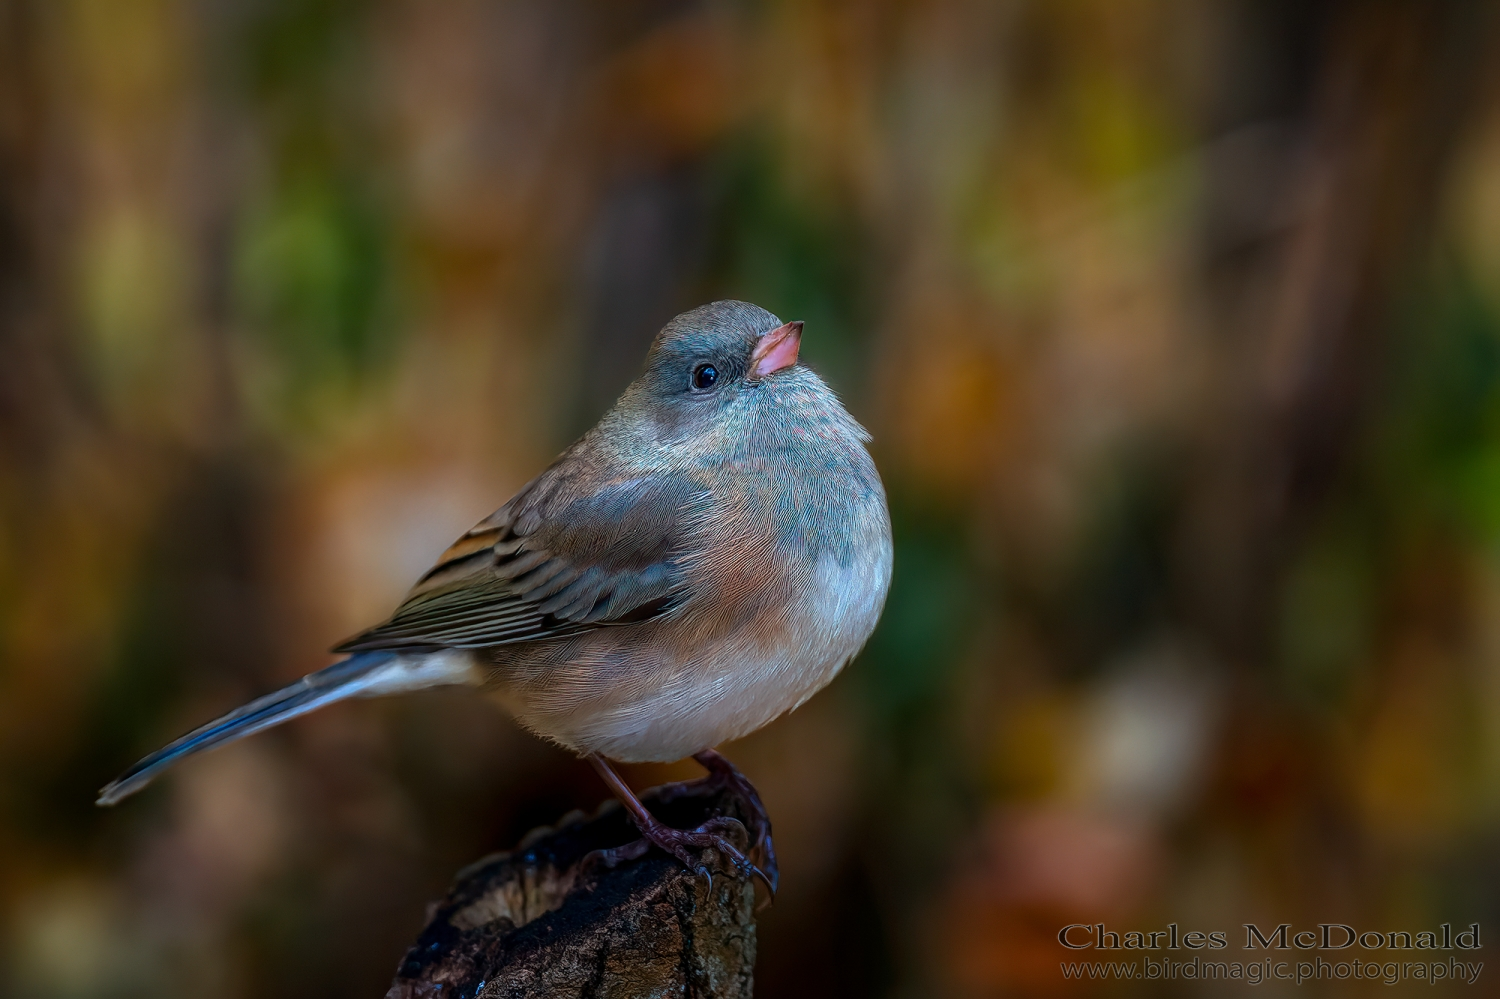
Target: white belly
736 687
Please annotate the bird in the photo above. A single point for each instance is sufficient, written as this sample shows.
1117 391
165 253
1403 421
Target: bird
703 560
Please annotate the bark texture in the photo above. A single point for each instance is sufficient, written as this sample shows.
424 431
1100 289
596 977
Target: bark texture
550 919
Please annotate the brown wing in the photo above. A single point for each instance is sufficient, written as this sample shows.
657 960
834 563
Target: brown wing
552 563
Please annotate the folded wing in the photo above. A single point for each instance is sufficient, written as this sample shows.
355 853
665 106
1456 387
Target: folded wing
557 560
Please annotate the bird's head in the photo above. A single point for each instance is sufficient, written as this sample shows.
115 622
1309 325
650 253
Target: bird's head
708 369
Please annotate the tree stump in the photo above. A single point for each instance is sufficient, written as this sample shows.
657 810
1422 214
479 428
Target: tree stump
550 919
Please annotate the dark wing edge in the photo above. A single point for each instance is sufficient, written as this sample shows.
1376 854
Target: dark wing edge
537 570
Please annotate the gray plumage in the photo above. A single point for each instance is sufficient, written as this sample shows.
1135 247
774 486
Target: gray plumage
700 562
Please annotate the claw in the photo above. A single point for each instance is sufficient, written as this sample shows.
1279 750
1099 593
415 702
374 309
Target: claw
742 864
724 774
711 834
614 856
770 885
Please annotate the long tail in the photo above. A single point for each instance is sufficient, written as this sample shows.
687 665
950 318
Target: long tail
364 674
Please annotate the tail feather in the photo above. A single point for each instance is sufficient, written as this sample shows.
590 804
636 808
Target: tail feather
363 674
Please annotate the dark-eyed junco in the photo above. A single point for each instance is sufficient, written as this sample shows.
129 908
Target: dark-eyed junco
703 560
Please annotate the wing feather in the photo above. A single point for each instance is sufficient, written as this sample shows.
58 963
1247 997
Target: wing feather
551 564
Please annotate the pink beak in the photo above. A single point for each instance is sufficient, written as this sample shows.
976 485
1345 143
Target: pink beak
776 350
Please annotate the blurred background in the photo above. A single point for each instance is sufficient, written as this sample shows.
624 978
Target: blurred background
1176 323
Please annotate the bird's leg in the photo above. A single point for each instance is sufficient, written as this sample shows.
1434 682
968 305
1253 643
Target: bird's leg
723 774
677 842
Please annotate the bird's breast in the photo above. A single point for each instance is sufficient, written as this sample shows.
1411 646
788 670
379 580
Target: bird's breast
783 576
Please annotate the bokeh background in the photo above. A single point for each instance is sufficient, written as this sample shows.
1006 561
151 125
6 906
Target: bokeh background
1176 322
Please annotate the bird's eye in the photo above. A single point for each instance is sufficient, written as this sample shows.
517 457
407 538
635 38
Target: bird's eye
705 376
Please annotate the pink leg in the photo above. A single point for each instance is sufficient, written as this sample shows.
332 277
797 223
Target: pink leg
724 774
677 842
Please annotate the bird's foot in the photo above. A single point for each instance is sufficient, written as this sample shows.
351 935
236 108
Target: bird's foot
685 844
681 843
724 775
